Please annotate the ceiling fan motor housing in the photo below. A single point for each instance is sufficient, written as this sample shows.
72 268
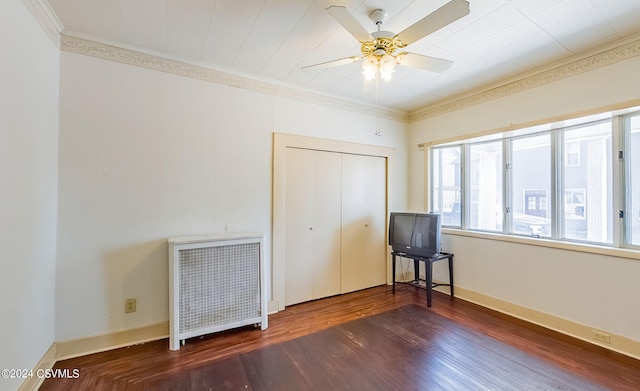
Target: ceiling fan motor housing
378 16
385 42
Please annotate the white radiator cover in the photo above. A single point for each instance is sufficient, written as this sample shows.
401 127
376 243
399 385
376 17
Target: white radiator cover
216 282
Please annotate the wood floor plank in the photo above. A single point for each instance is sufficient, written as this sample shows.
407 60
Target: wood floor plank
225 374
446 351
271 368
333 350
302 354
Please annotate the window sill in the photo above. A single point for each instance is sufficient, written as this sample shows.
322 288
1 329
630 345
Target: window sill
569 246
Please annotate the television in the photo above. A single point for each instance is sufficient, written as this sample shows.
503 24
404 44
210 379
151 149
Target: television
415 234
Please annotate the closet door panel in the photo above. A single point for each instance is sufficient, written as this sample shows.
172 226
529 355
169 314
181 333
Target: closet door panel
363 254
353 223
299 219
375 246
326 225
312 265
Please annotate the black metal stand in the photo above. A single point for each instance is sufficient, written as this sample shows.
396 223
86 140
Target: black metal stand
428 266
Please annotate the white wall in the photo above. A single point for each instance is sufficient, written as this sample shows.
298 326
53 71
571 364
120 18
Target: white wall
29 72
145 156
595 290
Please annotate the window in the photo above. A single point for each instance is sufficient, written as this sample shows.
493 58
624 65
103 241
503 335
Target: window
574 180
446 185
632 170
530 172
587 186
485 196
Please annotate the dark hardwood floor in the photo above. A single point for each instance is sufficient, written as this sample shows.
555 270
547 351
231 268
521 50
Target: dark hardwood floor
299 350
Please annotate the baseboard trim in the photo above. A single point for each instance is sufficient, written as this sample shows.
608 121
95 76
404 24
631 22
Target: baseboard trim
619 346
100 343
46 362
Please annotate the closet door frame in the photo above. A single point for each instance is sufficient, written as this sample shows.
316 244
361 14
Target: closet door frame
282 141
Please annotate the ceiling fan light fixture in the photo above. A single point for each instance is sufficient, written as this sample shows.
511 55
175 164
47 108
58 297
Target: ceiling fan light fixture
370 67
387 64
384 65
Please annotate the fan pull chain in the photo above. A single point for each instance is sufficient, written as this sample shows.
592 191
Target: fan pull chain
378 132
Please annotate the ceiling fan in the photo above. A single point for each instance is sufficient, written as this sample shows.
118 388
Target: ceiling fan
379 48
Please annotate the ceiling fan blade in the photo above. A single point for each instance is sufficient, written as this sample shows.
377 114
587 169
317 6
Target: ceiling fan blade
426 63
349 22
436 20
330 64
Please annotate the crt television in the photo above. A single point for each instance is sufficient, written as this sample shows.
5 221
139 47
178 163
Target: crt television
415 234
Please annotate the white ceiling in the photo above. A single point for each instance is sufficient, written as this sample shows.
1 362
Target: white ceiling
272 39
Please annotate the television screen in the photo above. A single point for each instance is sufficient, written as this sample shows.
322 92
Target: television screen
415 234
403 225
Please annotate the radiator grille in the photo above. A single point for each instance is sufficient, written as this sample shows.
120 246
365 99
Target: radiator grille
216 282
219 285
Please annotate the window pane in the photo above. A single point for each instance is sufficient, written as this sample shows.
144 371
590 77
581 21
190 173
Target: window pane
446 185
485 206
531 185
588 183
633 187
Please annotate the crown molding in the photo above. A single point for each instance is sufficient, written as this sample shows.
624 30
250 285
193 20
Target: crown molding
46 18
607 55
163 64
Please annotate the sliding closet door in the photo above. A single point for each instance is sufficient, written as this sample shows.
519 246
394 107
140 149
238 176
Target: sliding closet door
376 233
363 252
325 253
312 210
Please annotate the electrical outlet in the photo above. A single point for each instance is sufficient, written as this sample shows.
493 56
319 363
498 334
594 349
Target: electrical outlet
602 337
130 306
